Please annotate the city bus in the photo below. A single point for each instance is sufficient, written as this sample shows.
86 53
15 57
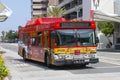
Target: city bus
57 41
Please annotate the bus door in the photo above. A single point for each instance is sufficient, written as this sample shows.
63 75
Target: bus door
42 44
36 46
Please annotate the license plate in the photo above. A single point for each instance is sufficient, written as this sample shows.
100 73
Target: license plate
78 56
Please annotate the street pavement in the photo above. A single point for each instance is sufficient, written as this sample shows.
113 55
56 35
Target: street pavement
111 57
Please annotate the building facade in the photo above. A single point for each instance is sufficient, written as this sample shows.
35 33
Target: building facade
39 7
117 28
74 9
81 9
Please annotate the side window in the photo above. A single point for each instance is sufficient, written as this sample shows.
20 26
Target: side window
46 39
34 40
39 41
53 35
58 39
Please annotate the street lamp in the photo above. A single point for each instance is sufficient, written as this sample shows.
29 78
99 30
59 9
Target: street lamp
96 3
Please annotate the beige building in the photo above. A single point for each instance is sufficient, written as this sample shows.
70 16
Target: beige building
39 7
53 2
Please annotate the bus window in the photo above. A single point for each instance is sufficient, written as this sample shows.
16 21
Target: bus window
39 41
53 38
45 39
34 41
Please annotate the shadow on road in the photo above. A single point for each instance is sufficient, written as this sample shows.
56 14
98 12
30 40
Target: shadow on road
43 66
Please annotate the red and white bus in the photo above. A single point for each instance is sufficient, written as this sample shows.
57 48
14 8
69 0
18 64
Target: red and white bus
57 41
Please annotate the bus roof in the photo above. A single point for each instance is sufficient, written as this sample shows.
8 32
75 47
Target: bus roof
44 21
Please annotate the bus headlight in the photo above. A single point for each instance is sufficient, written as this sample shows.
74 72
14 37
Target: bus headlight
55 56
61 56
68 56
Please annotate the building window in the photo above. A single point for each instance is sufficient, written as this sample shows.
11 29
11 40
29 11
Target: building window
118 40
42 2
80 13
60 1
43 9
36 2
73 15
79 2
67 6
36 9
73 4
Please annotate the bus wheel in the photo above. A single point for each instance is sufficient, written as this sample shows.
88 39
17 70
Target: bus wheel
24 55
84 65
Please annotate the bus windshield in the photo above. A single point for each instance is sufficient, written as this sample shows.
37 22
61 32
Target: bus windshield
79 37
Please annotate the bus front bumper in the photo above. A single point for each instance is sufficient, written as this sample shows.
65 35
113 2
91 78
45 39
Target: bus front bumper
61 62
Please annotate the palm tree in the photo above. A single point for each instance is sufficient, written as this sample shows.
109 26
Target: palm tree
55 12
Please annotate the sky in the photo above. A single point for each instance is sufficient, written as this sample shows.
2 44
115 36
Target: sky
21 14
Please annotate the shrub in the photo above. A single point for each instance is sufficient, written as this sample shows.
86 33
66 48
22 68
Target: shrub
4 71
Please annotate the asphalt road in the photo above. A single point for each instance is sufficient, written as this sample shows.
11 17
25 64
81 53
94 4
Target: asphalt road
34 69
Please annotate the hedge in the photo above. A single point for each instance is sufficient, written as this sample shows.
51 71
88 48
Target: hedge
4 71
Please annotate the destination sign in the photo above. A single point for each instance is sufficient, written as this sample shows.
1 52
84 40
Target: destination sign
75 25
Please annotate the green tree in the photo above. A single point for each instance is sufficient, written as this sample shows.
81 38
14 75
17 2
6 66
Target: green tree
107 28
55 12
3 35
12 34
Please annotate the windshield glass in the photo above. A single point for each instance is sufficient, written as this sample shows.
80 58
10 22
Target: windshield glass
75 37
85 38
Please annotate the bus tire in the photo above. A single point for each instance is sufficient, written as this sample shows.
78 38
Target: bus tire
84 65
24 55
47 60
18 53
